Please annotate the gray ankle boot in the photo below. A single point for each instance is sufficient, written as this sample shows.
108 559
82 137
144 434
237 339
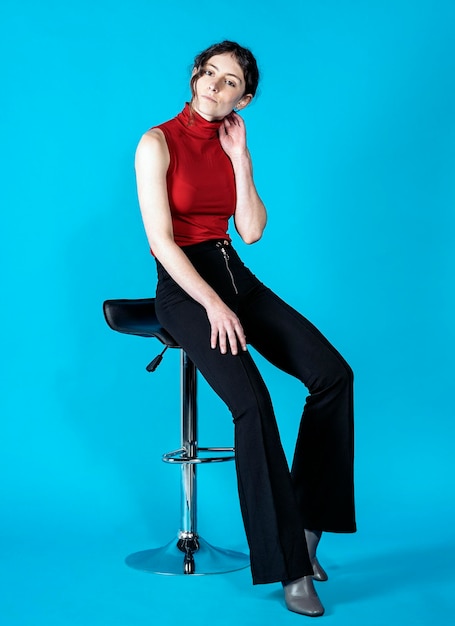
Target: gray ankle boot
301 597
312 539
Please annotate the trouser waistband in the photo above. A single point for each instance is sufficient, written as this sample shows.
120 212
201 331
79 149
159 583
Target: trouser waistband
204 246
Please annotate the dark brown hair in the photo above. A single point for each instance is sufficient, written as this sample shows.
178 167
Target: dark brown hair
243 56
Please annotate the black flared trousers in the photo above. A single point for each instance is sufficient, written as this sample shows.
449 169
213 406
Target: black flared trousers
277 504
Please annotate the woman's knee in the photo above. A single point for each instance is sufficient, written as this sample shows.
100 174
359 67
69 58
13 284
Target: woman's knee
251 401
334 372
251 411
342 373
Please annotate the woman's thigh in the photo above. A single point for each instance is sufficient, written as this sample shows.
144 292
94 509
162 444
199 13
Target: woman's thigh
235 379
290 341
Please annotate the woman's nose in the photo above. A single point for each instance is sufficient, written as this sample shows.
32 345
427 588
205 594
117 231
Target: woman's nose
213 87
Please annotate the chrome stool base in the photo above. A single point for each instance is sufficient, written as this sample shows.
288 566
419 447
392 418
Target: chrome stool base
189 555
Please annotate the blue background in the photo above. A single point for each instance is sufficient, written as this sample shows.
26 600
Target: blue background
353 140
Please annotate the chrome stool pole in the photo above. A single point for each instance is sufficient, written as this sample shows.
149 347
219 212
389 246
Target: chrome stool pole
188 541
189 553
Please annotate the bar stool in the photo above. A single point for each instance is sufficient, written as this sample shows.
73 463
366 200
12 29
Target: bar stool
188 553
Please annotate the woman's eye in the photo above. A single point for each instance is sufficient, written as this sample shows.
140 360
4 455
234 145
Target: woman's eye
208 72
230 83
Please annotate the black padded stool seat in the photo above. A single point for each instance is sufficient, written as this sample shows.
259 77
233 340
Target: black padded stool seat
136 317
189 553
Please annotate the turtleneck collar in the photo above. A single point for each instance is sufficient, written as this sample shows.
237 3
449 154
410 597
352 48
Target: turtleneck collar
196 125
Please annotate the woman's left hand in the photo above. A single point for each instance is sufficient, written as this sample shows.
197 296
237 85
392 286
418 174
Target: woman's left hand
232 135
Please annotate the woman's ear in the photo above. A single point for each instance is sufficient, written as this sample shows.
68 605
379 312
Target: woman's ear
243 102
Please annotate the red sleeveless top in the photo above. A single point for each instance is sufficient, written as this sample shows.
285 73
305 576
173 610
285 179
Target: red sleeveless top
200 179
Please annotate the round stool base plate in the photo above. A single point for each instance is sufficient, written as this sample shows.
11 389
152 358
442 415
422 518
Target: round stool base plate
171 561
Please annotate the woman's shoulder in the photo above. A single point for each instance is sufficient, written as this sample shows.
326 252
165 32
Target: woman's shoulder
154 135
159 142
154 138
153 146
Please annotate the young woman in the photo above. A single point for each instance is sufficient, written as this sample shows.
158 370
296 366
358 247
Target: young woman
194 173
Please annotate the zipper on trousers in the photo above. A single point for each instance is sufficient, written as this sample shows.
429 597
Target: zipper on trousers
226 260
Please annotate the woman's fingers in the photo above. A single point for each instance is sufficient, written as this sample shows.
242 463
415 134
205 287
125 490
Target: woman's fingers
232 135
240 336
227 333
232 341
223 337
213 338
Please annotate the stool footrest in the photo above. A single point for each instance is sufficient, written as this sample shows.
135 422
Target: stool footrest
181 457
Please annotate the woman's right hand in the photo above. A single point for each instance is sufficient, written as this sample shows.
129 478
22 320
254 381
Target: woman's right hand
226 329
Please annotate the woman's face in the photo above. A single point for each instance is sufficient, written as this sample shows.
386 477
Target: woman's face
220 88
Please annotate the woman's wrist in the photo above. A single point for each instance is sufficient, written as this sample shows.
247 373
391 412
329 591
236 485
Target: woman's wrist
241 160
210 300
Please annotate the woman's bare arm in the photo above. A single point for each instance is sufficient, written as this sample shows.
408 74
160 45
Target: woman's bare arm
250 214
152 162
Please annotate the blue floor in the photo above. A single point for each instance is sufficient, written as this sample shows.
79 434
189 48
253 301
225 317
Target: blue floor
394 571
